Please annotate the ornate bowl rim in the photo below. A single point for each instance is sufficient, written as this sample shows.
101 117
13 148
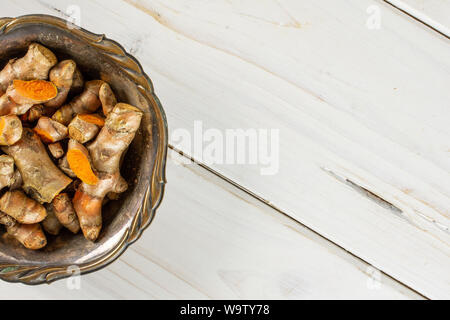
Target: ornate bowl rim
33 275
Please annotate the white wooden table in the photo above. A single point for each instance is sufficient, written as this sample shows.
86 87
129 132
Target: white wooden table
359 91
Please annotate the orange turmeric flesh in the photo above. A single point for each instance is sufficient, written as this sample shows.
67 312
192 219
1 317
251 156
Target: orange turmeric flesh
38 90
2 124
92 118
44 135
81 166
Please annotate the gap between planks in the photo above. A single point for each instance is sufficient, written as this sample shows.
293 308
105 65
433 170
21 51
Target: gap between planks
422 18
269 204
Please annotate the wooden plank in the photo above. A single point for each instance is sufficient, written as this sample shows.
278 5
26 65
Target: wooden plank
434 13
211 240
368 105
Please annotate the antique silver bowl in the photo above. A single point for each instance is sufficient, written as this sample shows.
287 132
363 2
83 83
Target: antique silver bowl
143 166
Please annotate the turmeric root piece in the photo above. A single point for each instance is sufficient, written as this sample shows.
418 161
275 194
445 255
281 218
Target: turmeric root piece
65 213
16 181
51 224
41 178
25 210
10 130
30 236
35 112
6 171
62 77
80 162
22 95
77 82
50 131
88 200
107 98
34 65
86 102
115 137
6 220
8 106
56 150
8 176
63 164
84 127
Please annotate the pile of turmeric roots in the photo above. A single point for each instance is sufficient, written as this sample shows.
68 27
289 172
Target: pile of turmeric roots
61 155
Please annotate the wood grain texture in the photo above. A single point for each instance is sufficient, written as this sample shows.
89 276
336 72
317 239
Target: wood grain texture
435 13
211 240
369 105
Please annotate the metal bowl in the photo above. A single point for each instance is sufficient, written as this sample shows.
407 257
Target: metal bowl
143 166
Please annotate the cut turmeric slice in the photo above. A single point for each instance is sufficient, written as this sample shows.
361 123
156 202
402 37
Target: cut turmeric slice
36 90
79 162
10 130
44 135
84 127
81 167
92 118
22 95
